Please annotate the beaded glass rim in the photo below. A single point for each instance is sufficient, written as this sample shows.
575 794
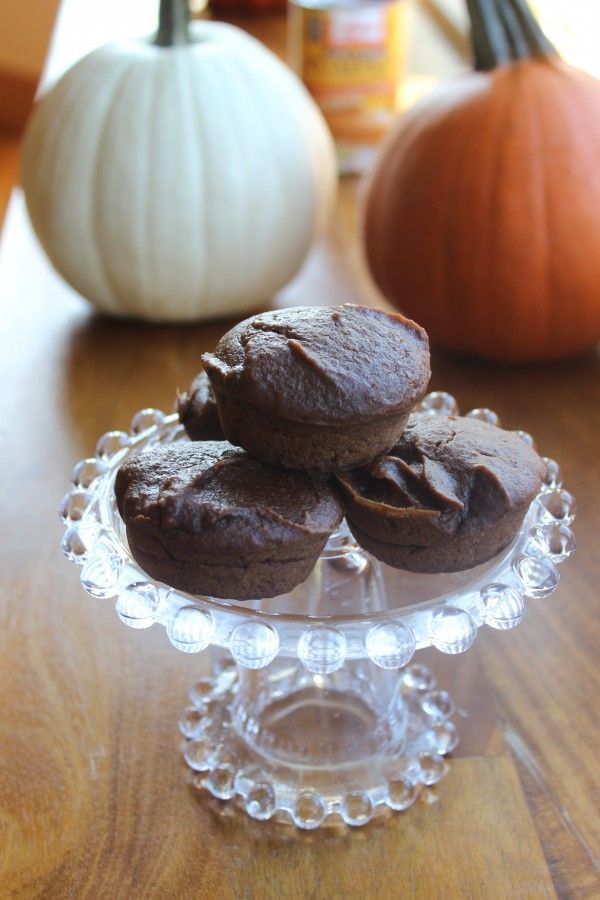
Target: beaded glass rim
95 539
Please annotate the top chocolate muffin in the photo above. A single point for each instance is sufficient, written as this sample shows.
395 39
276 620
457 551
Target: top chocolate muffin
319 388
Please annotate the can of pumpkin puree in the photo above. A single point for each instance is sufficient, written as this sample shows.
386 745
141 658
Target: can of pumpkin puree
351 57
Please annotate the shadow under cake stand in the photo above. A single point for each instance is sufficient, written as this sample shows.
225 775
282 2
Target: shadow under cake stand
313 710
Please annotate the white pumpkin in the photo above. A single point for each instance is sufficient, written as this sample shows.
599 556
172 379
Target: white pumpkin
178 182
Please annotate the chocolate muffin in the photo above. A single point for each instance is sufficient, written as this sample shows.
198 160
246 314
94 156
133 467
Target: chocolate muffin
450 495
319 389
206 518
198 411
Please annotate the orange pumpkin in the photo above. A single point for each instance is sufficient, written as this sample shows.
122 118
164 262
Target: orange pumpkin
482 215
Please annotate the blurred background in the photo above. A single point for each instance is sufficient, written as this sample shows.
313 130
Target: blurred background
434 40
26 31
364 62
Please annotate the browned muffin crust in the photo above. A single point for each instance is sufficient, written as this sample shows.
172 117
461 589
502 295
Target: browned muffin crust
450 495
319 388
205 517
198 411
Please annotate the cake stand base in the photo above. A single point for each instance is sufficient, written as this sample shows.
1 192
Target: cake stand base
313 749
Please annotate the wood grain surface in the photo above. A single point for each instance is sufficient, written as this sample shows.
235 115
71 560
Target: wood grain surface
94 799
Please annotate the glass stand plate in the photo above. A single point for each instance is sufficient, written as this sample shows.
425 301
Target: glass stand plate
314 710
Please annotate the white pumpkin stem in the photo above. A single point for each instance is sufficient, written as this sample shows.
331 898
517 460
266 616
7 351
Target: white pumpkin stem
173 21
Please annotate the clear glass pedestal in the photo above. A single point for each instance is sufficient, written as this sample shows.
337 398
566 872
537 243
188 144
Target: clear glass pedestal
308 747
315 711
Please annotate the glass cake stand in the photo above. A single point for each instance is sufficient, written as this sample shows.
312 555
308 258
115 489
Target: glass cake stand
313 710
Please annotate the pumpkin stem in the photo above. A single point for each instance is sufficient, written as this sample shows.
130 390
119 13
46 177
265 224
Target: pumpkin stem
503 31
173 21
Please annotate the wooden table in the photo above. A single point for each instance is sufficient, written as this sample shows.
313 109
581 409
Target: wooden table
93 795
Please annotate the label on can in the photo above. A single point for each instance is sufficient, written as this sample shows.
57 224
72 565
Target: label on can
350 59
